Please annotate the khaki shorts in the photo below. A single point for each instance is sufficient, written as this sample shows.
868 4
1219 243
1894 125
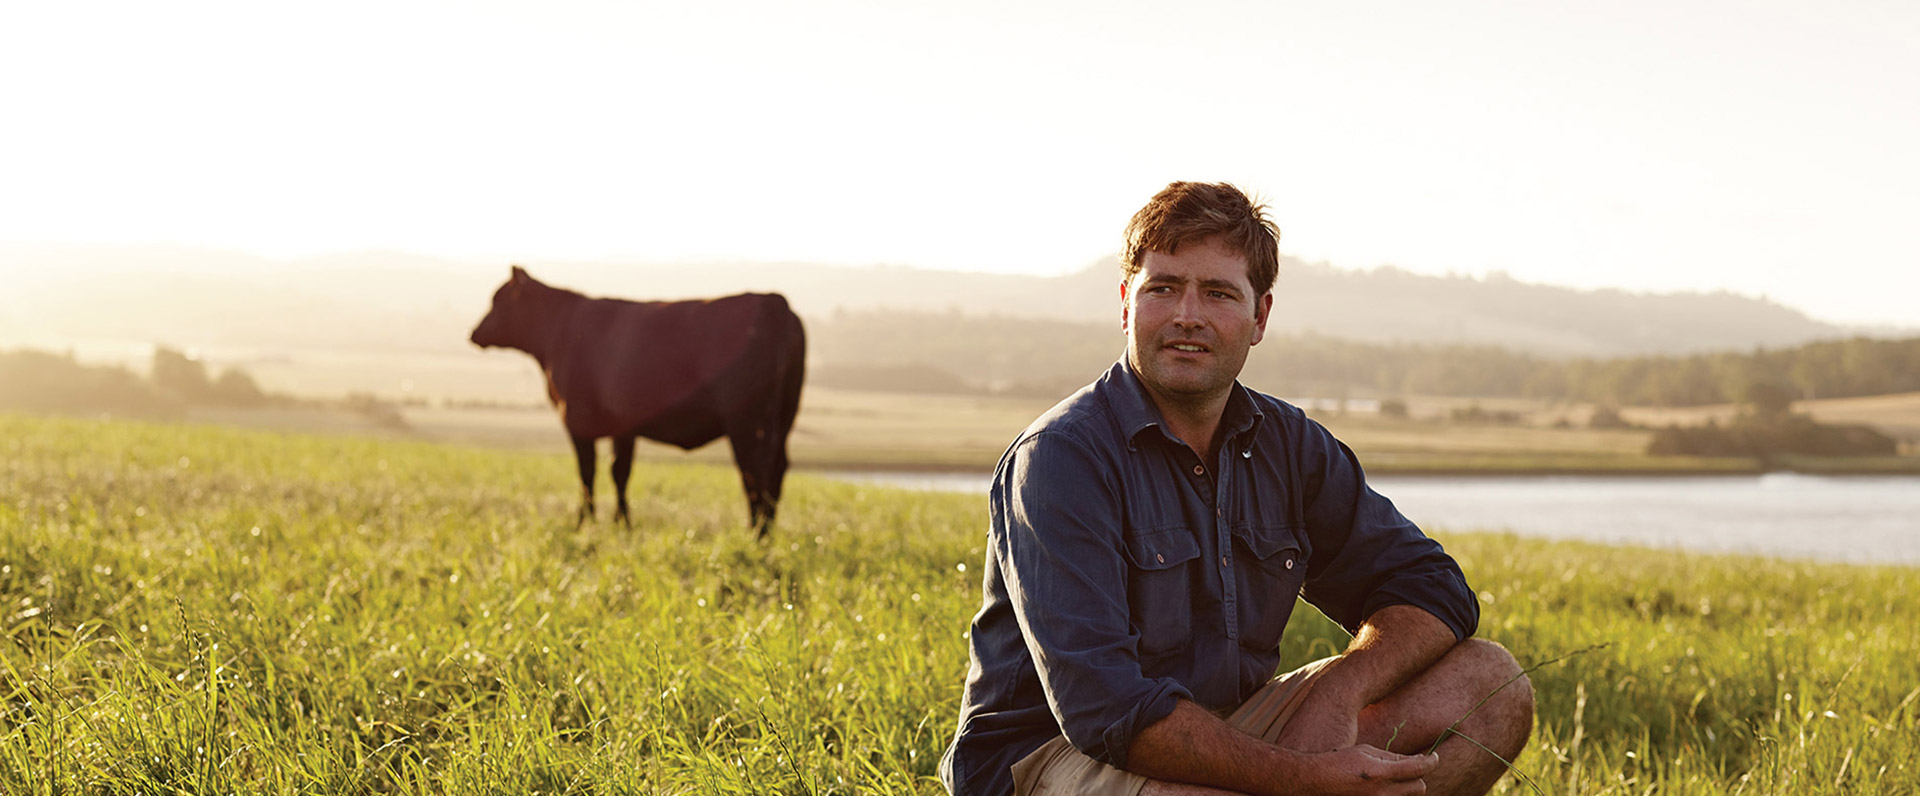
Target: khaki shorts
1058 769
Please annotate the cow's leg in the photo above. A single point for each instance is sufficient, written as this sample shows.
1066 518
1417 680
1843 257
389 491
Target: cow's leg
749 452
760 451
622 467
773 439
583 451
775 458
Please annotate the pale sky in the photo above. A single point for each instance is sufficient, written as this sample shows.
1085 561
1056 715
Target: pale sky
1757 146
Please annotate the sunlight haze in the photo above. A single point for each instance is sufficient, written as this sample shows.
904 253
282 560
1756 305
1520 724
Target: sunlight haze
1765 148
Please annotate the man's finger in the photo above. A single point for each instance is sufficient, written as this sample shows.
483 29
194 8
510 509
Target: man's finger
1388 766
1399 768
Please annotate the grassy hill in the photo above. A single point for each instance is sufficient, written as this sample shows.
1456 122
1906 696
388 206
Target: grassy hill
190 609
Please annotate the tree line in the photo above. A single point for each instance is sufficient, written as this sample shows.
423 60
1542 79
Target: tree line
1828 369
44 381
935 352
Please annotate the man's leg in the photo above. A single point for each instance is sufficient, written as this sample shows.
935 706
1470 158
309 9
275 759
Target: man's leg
1419 711
1157 788
1427 704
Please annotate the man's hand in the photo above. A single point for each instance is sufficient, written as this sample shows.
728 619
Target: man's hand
1366 770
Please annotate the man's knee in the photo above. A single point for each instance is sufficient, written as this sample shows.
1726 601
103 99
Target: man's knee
1498 676
1477 683
1485 657
1492 667
1493 663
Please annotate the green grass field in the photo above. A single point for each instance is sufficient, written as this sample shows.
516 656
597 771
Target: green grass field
196 610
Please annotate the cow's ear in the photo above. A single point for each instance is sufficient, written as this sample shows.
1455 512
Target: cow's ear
519 274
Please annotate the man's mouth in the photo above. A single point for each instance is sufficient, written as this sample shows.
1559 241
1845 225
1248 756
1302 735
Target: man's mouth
1191 348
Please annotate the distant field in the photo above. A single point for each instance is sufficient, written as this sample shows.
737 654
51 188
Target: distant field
1895 415
839 429
842 429
191 609
835 429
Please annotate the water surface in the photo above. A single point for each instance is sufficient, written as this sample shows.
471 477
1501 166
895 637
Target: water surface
1862 519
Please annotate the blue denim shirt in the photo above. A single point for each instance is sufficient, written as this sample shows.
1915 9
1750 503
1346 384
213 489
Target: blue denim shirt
1123 573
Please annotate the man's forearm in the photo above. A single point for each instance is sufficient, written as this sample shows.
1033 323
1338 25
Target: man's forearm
1193 746
1394 644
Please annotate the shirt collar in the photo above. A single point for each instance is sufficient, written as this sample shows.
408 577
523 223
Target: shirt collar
1137 414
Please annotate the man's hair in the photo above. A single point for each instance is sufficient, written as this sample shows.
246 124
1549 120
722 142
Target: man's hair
1190 212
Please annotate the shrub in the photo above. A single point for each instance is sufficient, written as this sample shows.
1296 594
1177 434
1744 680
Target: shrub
1763 436
1475 415
1607 417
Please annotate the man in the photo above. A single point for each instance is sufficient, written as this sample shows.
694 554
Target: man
1148 537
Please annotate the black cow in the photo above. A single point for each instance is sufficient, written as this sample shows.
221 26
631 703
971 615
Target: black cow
681 372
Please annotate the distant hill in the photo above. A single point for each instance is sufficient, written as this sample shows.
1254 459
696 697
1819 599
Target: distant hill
399 302
1388 305
1383 305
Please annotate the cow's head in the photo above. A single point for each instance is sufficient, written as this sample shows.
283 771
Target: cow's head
513 315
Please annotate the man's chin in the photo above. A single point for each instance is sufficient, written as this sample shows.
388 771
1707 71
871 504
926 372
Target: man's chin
1183 386
1178 377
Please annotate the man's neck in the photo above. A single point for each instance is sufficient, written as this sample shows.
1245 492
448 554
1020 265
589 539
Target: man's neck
1194 420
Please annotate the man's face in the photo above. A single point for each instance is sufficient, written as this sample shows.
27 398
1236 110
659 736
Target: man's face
1190 319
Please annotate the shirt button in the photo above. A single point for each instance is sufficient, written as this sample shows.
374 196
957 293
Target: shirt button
1160 559
1199 470
1223 561
1221 513
1289 563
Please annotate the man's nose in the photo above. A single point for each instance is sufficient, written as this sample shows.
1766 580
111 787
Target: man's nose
1186 312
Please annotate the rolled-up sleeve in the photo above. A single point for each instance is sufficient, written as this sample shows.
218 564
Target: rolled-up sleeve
1366 555
1057 530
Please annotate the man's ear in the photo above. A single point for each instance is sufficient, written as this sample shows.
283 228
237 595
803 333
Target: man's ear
1261 309
1123 305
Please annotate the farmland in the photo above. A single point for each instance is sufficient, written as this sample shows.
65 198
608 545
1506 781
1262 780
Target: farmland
194 609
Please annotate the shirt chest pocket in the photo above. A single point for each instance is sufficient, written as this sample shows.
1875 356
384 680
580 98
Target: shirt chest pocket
1159 588
1270 569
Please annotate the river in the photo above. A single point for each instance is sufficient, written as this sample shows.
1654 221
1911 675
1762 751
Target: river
1860 519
